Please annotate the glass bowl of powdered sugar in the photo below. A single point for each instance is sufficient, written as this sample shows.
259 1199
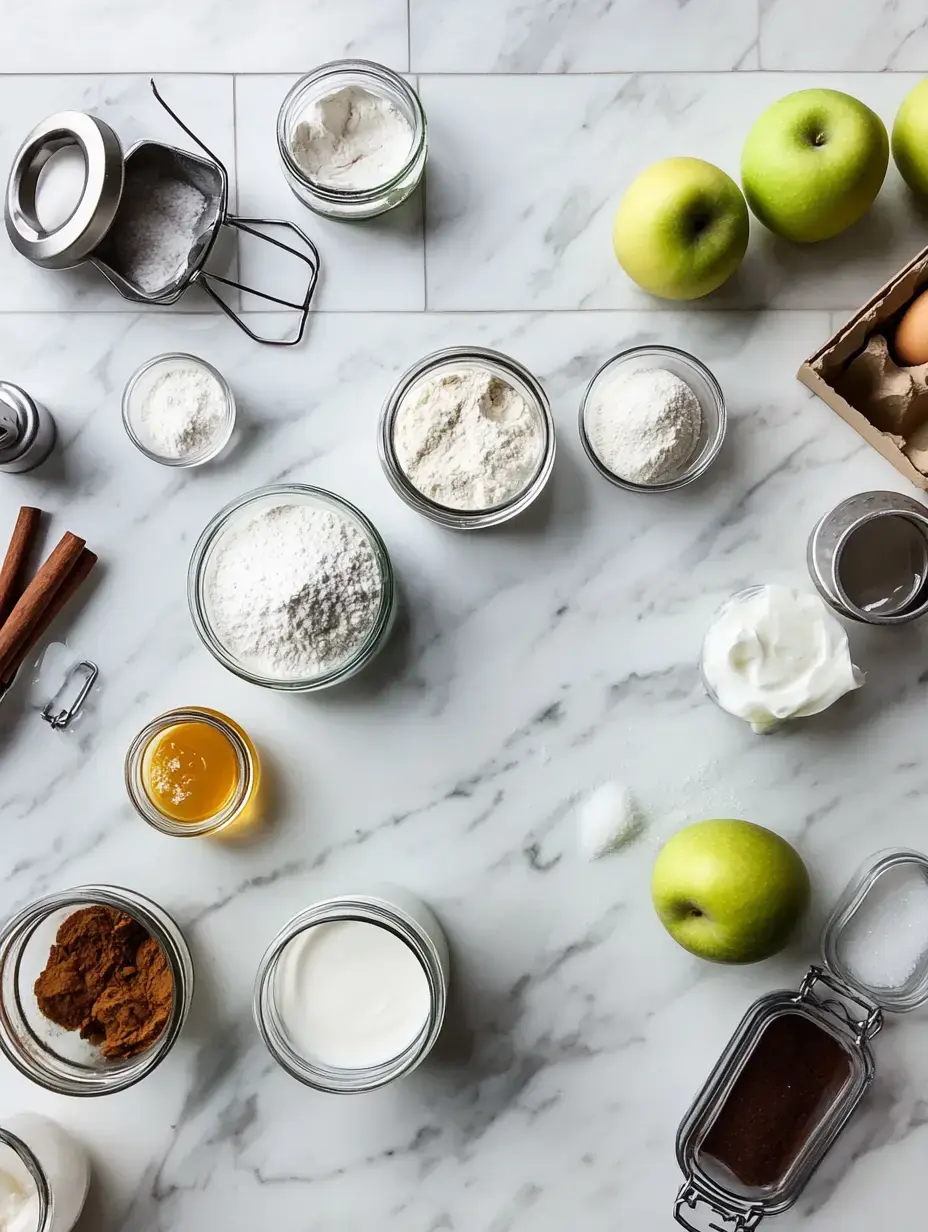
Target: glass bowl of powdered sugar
291 587
652 419
178 410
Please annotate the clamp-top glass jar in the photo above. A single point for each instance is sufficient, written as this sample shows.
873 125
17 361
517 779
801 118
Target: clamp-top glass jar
800 1062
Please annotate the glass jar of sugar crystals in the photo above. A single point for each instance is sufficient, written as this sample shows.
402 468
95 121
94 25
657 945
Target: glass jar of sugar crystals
351 994
800 1062
353 139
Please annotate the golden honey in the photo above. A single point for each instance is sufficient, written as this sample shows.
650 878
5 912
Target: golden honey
190 771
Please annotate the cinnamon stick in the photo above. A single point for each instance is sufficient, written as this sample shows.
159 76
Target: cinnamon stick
62 596
30 608
12 573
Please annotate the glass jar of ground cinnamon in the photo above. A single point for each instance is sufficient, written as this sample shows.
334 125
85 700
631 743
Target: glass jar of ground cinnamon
799 1063
95 986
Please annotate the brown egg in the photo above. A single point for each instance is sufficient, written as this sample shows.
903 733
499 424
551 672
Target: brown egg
910 344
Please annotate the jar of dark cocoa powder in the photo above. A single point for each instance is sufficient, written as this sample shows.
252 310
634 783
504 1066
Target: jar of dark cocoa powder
800 1062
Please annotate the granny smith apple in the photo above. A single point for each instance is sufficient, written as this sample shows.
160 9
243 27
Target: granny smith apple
681 229
729 891
813 164
910 138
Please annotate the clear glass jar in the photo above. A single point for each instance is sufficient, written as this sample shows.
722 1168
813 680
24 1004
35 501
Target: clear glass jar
60 1060
457 359
356 203
703 384
139 385
239 812
49 1170
839 1007
403 914
203 559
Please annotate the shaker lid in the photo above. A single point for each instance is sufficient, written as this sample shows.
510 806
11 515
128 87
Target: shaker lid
78 235
876 938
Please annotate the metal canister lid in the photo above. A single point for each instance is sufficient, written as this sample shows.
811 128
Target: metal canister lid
76 237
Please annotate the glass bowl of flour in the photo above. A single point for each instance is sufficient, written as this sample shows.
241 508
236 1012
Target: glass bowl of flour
178 410
652 419
353 139
291 587
466 438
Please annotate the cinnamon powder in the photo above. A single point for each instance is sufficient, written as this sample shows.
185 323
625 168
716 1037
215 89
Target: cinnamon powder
109 979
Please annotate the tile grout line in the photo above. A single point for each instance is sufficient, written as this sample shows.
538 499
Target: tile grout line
760 22
409 35
836 71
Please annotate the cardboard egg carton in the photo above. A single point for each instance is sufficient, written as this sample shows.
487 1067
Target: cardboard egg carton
855 373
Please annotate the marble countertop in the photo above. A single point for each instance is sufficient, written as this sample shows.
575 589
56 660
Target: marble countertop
530 663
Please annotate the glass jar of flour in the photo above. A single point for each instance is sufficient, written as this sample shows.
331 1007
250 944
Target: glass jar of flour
44 1175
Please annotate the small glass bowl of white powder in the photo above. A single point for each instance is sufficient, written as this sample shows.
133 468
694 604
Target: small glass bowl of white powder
291 587
178 410
467 438
352 139
652 419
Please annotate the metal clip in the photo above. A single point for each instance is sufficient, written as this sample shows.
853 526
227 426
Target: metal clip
865 1028
718 1216
57 713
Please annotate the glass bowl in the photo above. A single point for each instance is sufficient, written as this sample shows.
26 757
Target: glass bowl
703 384
204 556
400 912
356 203
141 382
457 359
60 1060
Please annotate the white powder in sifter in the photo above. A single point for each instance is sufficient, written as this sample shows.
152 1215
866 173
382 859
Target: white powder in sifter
466 439
182 412
294 591
644 425
159 220
352 139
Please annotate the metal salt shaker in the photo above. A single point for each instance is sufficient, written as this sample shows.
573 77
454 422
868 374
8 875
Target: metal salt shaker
27 430
868 558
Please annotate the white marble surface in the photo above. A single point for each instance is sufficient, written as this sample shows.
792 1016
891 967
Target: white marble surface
530 664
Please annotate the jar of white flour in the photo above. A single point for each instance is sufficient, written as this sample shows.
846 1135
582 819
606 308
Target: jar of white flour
352 993
291 587
352 139
466 438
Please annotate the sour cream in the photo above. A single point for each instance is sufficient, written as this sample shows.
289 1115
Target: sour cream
772 654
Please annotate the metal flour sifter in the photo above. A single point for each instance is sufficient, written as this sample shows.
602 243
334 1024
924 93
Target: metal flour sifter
105 222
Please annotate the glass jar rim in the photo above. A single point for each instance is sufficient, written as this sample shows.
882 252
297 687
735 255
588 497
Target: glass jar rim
329 1079
33 1166
514 372
222 438
366 648
700 463
374 70
17 933
145 806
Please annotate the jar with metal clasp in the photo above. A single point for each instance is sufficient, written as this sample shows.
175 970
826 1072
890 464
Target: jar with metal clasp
800 1062
113 185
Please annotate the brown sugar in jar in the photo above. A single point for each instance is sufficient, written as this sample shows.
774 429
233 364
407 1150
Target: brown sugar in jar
784 1090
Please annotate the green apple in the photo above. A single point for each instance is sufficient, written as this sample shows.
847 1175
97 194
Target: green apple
813 164
681 229
729 891
910 138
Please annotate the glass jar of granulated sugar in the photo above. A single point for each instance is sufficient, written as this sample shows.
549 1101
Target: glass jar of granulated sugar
44 1175
352 138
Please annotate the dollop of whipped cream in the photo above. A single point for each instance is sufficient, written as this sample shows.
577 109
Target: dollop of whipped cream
773 653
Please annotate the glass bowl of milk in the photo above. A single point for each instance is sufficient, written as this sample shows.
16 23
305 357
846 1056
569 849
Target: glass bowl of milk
351 994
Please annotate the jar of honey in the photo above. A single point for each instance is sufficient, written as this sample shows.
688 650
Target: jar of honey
193 771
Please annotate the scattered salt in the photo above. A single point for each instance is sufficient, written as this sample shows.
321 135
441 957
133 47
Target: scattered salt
608 820
886 940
